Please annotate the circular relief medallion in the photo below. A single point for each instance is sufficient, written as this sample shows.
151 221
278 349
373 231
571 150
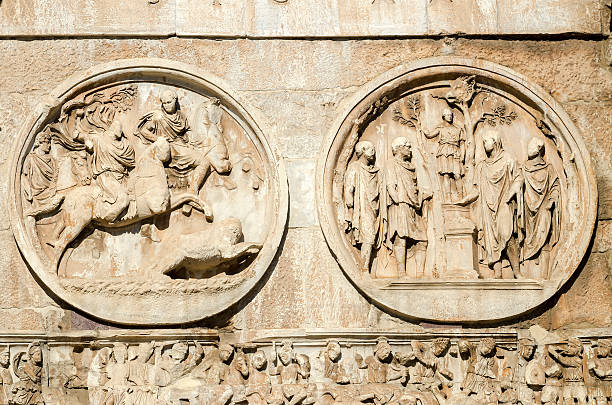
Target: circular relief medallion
453 190
144 193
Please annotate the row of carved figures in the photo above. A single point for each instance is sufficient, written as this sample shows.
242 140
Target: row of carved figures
518 206
437 372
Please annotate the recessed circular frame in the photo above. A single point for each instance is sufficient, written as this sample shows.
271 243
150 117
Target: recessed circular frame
456 279
248 183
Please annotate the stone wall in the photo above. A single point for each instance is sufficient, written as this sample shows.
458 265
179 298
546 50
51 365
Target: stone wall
298 65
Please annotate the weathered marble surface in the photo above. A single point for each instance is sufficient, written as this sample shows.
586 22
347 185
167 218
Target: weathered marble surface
291 18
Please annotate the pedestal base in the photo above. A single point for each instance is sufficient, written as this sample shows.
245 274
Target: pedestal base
461 248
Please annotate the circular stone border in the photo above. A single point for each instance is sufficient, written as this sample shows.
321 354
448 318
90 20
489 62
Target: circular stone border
448 301
177 309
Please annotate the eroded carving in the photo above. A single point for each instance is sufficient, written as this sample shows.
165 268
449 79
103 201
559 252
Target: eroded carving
449 179
408 370
134 183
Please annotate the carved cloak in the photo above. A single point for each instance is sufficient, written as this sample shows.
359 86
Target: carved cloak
497 217
39 177
404 204
541 189
361 194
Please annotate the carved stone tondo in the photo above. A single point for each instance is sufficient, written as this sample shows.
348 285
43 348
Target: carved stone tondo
144 193
455 190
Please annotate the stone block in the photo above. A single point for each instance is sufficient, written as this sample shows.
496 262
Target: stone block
462 16
301 175
549 17
328 18
225 18
34 18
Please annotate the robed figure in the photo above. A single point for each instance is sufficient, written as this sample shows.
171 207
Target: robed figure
39 174
542 218
406 225
113 158
361 197
499 200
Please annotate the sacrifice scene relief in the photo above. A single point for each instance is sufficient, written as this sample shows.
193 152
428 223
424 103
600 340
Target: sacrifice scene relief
145 181
454 181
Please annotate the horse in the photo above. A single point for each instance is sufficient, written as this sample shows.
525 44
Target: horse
150 196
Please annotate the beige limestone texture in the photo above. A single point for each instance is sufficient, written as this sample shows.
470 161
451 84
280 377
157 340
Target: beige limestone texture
297 86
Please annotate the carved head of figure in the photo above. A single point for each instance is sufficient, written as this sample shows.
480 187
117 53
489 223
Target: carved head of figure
535 148
447 115
304 365
230 231
4 357
35 353
382 351
439 346
259 360
285 353
603 348
464 346
145 351
43 142
120 353
366 150
486 346
333 350
225 352
573 348
527 348
169 101
401 148
179 351
240 363
491 142
462 89
115 130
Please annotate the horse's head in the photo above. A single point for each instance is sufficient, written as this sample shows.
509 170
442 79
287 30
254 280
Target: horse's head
162 149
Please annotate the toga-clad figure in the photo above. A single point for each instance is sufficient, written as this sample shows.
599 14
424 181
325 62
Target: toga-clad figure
542 218
499 197
407 229
450 155
361 197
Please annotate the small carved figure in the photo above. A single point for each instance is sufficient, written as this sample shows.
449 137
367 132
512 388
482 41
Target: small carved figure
291 371
481 379
6 379
431 373
97 378
499 195
215 367
570 360
117 372
379 364
39 177
528 373
258 388
361 197
407 229
600 368
334 370
113 158
450 155
143 391
27 366
238 372
178 362
542 213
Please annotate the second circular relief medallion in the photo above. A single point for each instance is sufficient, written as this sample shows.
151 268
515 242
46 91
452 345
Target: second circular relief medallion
453 190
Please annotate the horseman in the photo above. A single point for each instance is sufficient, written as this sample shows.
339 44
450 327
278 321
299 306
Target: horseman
189 164
113 158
